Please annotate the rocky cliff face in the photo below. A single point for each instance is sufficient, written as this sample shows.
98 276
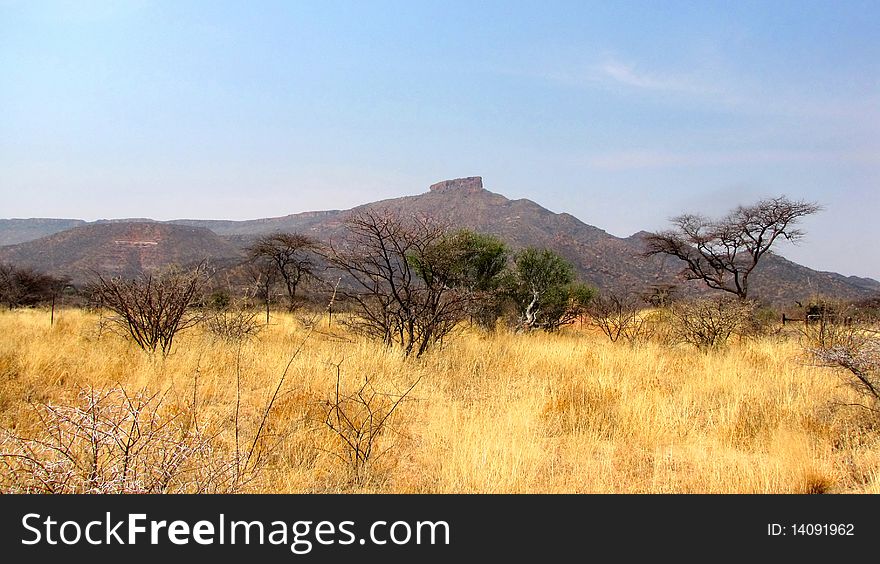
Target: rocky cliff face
469 185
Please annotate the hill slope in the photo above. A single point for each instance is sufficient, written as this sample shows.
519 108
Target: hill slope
119 248
13 231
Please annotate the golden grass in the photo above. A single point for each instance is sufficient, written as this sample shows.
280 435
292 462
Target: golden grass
565 412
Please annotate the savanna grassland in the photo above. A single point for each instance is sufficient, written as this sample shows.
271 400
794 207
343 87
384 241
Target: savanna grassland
489 413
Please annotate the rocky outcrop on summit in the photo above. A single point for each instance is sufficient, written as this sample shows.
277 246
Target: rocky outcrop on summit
470 185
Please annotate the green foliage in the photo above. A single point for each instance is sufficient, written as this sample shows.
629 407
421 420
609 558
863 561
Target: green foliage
463 259
219 300
542 270
472 263
542 286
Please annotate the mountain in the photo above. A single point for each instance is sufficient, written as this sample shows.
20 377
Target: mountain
600 258
14 231
120 248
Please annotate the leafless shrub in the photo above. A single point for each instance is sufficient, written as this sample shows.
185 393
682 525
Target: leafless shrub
709 323
114 442
620 316
360 419
852 347
152 309
235 323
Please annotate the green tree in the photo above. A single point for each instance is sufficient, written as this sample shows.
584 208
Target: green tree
469 262
543 287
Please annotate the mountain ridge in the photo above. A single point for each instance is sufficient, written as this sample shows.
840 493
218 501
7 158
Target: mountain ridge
602 259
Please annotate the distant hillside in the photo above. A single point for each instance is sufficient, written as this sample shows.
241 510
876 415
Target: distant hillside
14 231
600 258
305 221
119 248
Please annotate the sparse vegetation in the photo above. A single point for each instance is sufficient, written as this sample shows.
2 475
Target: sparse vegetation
399 282
234 322
620 316
361 419
611 395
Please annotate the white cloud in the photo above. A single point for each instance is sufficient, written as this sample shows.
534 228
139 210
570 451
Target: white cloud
627 75
615 71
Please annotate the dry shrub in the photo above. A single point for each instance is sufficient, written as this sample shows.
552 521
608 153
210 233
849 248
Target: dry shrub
234 324
152 308
852 348
709 323
620 317
112 441
361 420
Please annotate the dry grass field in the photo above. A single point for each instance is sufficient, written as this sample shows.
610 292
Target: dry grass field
531 413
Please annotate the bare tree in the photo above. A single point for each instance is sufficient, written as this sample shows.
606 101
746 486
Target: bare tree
261 277
724 252
26 287
152 309
292 257
403 294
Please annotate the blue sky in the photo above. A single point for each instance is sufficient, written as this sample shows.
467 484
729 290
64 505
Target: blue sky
620 113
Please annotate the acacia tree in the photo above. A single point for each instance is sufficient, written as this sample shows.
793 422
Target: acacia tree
290 256
723 252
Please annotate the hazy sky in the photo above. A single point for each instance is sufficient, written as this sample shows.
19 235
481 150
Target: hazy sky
620 113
